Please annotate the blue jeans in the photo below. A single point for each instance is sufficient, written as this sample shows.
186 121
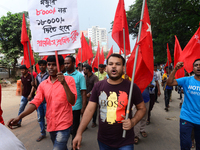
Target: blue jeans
106 147
185 134
22 106
41 111
60 138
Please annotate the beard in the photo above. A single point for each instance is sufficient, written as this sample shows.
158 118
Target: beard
116 77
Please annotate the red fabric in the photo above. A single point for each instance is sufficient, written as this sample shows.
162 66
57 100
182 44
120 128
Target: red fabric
120 22
145 61
101 58
1 112
77 61
191 52
22 62
86 50
120 52
90 46
177 52
110 52
95 61
24 40
169 59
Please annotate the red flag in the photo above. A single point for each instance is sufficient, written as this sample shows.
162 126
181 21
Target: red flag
90 46
77 61
120 22
101 58
191 52
177 52
120 52
145 61
169 59
90 61
24 40
95 61
23 61
110 52
86 50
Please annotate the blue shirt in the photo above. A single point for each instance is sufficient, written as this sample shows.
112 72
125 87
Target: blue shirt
145 95
80 85
190 110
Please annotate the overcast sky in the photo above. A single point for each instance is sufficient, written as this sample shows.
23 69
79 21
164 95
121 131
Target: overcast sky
91 13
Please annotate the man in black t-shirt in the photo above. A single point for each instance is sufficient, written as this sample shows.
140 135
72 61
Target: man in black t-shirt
26 89
112 97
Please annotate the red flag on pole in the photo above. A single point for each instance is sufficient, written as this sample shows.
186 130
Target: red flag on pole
191 52
24 40
145 60
169 59
90 46
110 52
177 52
86 50
120 22
101 58
95 61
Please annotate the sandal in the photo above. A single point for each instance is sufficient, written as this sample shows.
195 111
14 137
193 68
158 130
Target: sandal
40 138
144 134
148 122
136 140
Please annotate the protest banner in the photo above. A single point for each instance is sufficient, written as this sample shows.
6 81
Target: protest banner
54 26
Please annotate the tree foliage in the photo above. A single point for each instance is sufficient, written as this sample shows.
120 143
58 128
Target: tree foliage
10 39
168 18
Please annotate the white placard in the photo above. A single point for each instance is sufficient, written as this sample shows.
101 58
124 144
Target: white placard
54 25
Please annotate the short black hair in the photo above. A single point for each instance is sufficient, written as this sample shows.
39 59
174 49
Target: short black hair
53 59
80 65
72 58
196 60
118 56
23 67
88 67
40 62
95 69
101 66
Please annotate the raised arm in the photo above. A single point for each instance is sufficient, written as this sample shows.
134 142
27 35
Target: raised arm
171 81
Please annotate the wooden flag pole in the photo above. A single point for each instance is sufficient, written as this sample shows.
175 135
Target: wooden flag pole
124 48
29 56
134 68
57 62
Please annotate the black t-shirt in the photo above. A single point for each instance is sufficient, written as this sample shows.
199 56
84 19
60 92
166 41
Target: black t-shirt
27 85
113 100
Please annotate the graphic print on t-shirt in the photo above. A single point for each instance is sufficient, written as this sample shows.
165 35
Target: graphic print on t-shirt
112 106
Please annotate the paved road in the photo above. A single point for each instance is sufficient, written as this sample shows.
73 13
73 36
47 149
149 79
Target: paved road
163 132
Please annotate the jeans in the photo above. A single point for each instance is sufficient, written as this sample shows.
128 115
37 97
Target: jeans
151 104
167 93
106 147
76 122
41 111
22 106
60 139
185 134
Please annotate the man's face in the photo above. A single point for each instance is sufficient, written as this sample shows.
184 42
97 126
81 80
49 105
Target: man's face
68 64
24 71
155 68
115 68
101 70
43 67
52 68
80 68
196 68
85 70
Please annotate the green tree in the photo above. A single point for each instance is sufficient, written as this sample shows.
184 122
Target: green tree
168 18
10 37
